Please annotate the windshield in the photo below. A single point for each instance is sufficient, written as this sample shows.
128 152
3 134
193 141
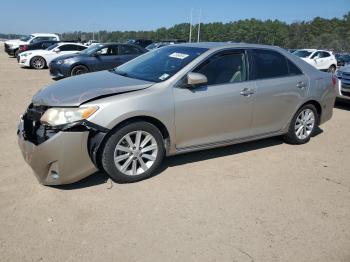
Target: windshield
159 64
26 38
52 47
152 46
92 49
302 53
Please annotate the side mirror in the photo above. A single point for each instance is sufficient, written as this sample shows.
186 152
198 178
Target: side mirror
196 79
57 50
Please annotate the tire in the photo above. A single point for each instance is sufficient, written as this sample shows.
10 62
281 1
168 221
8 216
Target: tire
78 70
332 69
16 53
37 62
127 163
302 126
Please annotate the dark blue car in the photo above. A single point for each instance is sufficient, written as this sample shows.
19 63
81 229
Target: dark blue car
95 58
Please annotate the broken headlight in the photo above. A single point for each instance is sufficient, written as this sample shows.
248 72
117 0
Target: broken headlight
60 116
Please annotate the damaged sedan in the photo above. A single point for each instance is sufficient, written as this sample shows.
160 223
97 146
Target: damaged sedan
172 100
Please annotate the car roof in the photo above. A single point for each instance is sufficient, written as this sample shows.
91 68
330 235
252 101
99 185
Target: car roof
44 34
68 43
219 45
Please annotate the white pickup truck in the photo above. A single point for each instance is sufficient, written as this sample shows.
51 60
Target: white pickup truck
12 46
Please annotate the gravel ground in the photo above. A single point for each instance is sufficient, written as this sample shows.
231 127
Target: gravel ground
259 201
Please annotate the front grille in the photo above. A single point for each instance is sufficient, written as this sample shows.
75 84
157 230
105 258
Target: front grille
345 93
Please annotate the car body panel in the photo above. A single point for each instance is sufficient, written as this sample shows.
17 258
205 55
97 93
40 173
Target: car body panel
343 88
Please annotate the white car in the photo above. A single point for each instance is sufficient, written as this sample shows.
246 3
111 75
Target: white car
12 46
39 59
321 59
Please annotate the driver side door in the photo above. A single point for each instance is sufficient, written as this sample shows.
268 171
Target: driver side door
105 58
220 110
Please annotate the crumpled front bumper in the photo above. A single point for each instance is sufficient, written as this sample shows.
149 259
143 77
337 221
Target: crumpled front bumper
62 159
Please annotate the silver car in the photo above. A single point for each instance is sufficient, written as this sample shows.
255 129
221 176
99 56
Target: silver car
172 100
343 90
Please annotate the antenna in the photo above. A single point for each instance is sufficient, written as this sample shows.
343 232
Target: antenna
190 38
199 24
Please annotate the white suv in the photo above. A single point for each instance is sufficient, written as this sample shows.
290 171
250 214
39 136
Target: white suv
12 46
321 59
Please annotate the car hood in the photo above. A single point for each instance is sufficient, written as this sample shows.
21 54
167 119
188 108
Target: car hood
74 91
14 42
345 69
39 51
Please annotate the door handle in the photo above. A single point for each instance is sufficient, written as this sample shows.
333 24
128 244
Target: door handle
301 84
247 92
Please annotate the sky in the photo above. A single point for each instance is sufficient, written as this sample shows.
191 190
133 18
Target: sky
29 16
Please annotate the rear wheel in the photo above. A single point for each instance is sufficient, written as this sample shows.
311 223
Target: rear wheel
302 125
37 62
133 152
78 70
332 69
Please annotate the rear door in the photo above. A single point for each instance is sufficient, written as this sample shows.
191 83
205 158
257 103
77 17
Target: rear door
280 86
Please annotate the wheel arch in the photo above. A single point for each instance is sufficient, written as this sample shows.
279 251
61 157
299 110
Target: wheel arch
79 64
317 106
95 153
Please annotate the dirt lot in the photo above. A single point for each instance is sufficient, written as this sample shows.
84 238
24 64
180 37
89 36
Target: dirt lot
260 201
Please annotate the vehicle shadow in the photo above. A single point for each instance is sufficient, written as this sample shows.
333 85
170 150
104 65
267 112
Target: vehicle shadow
342 105
101 177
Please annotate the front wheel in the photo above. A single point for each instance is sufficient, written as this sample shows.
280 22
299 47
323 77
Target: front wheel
78 70
302 125
134 152
37 62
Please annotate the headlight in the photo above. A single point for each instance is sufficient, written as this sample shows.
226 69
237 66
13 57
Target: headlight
59 116
338 74
26 54
60 62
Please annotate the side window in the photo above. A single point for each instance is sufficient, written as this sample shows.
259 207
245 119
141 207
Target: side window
106 51
316 55
268 64
325 54
128 50
225 67
68 47
80 48
46 44
293 69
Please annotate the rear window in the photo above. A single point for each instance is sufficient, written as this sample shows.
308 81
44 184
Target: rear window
268 64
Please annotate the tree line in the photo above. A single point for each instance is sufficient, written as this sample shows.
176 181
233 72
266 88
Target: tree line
332 34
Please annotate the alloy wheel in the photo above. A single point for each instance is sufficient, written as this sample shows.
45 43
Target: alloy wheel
304 124
135 153
38 63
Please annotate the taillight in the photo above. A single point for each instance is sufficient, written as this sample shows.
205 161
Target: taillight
334 81
23 47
